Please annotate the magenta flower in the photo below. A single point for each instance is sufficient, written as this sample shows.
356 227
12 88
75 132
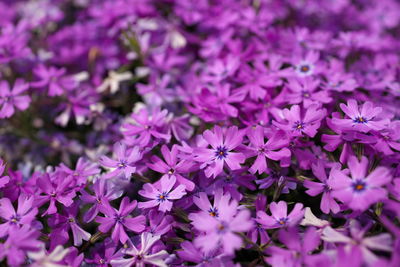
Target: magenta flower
171 167
61 223
11 98
308 65
55 189
295 123
222 231
125 164
203 203
222 142
328 203
144 255
305 91
361 119
24 215
54 79
360 190
3 179
279 217
359 242
146 126
299 248
120 220
103 191
19 242
162 196
84 169
273 149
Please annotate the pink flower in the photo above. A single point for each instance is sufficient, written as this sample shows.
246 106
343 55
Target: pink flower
162 197
120 220
222 142
363 120
296 123
11 98
279 217
360 190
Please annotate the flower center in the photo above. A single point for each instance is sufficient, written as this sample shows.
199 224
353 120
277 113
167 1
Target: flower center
298 125
122 164
15 219
162 197
282 221
360 119
71 220
306 94
221 152
213 212
359 186
119 218
171 171
304 68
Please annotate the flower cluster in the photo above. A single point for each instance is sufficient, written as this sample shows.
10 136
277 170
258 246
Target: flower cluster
199 132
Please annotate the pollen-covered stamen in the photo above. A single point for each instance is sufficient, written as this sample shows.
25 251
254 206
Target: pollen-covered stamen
171 171
360 119
298 125
213 212
221 152
162 197
71 220
15 219
304 68
359 186
282 221
306 94
122 164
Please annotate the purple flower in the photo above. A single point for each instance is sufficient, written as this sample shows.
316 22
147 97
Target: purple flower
3 179
295 123
19 242
360 190
193 254
142 256
221 230
361 119
104 254
222 141
328 203
203 203
163 195
273 149
279 217
61 223
298 249
11 98
146 126
305 91
125 164
381 242
120 220
84 169
54 79
171 167
24 215
103 191
308 65
55 188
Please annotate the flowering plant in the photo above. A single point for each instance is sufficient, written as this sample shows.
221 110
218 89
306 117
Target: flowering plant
199 133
